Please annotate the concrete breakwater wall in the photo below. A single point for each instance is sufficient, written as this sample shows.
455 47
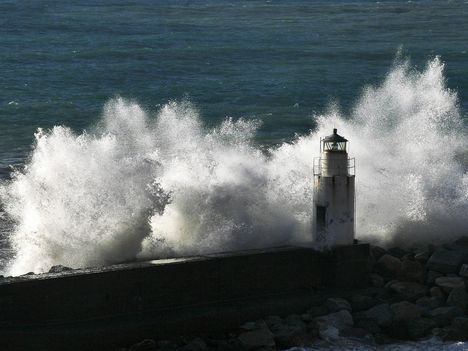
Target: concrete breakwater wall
104 307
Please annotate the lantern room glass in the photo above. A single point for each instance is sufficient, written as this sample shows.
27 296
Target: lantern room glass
334 146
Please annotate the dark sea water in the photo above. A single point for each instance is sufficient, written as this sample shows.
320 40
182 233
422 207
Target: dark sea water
277 61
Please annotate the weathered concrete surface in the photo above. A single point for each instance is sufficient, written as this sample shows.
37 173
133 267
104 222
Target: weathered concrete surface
102 308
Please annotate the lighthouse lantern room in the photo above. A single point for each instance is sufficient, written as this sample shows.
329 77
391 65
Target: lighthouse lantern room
334 195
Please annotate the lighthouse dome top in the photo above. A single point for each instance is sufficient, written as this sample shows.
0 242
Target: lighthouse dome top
334 142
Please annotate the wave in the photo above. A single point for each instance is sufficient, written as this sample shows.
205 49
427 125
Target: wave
145 185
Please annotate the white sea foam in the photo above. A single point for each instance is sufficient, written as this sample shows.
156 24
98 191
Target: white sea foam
154 186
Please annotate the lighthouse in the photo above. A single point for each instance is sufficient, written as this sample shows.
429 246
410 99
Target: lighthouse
334 202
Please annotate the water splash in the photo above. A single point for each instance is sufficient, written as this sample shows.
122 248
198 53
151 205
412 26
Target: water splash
153 186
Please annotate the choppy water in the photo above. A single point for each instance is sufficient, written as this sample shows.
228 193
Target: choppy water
161 171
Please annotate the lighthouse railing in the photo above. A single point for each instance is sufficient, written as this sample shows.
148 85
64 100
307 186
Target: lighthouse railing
318 164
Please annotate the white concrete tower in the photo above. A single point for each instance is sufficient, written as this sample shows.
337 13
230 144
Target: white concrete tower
334 209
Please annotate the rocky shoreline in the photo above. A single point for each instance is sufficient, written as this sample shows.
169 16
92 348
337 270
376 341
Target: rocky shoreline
413 294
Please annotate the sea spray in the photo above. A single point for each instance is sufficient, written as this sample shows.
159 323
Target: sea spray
143 186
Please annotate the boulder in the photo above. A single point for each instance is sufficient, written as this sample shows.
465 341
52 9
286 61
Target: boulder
59 269
449 283
197 344
145 345
422 257
437 293
257 338
431 276
397 252
377 252
362 302
458 298
446 261
316 311
382 314
289 335
405 311
330 325
463 271
421 327
428 302
412 271
388 266
408 290
443 315
336 304
376 280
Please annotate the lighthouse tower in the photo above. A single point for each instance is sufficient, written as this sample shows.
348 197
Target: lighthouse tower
334 202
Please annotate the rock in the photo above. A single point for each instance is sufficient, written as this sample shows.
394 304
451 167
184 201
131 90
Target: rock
397 252
422 257
412 271
388 266
437 293
449 283
463 271
289 335
145 345
197 344
459 328
428 303
408 290
316 311
256 338
362 302
376 280
331 324
26 274
405 311
249 326
59 269
353 332
421 327
458 297
444 315
272 321
337 304
377 252
382 314
431 276
446 261
361 321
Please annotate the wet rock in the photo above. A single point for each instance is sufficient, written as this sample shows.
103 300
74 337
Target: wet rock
377 252
388 266
444 315
354 332
397 252
408 290
422 257
376 280
256 338
316 311
292 333
336 304
447 284
431 276
463 271
428 302
421 327
437 293
59 269
197 344
272 321
458 330
145 345
330 325
405 311
412 271
362 302
446 261
382 314
458 298
26 274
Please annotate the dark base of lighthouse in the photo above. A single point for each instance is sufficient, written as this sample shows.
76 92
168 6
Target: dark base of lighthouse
100 309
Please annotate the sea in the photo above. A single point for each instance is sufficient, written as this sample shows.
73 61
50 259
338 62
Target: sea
144 129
